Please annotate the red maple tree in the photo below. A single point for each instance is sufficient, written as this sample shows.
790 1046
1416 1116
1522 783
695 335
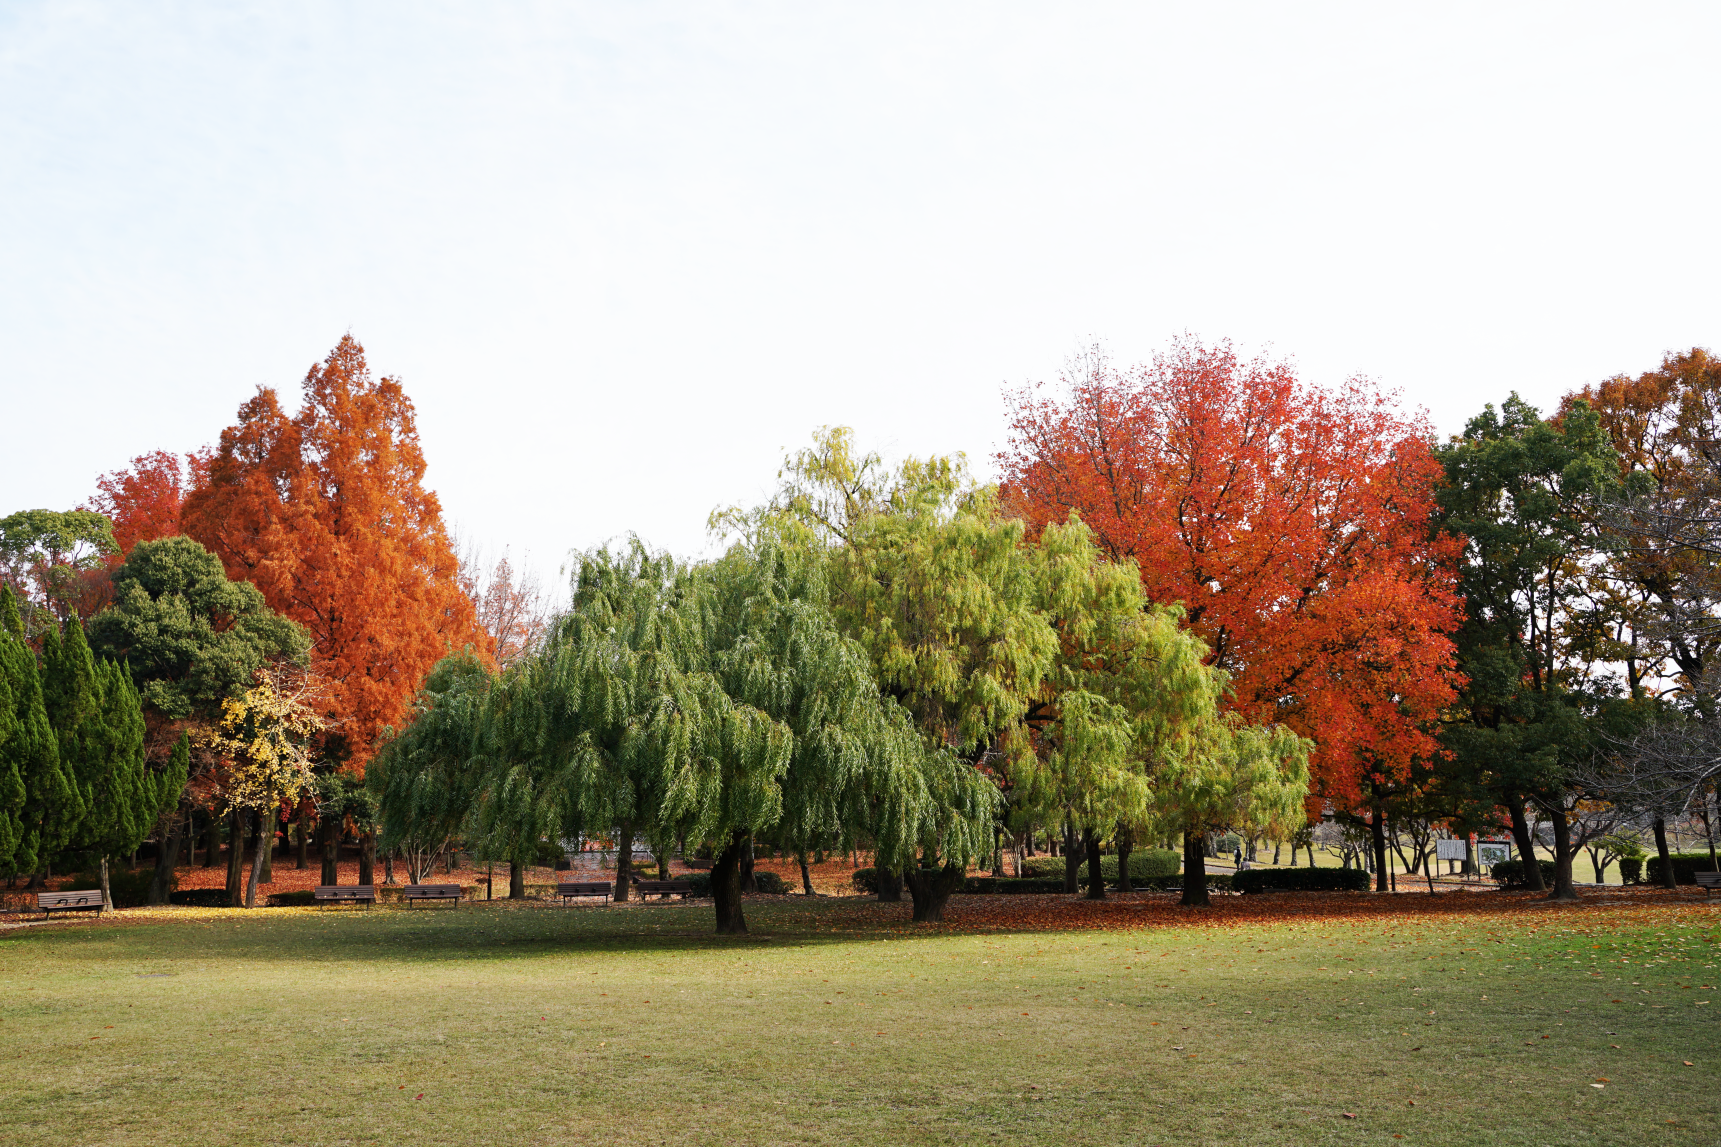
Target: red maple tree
1292 523
144 501
326 513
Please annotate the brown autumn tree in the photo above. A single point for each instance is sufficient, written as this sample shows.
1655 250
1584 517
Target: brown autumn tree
144 500
326 512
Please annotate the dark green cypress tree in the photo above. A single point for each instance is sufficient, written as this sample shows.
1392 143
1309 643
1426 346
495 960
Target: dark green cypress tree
32 751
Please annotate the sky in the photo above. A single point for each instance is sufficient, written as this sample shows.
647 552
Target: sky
624 256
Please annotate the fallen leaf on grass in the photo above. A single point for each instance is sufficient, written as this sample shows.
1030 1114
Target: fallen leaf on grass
1348 1115
1688 1063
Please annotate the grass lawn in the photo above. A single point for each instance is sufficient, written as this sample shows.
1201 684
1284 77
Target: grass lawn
1471 1019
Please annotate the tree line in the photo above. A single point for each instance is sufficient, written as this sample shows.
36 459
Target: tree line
1204 596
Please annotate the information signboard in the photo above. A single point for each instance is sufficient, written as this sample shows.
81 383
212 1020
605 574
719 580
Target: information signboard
1492 852
1450 849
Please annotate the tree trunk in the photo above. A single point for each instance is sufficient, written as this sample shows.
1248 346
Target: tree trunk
1294 856
997 850
267 822
265 845
236 858
1125 845
806 876
1194 872
748 884
516 880
1596 863
1563 854
1377 831
367 857
388 867
931 889
726 887
1526 847
1096 875
889 885
211 839
107 893
1072 849
303 860
329 830
623 861
162 881
1668 880
1276 854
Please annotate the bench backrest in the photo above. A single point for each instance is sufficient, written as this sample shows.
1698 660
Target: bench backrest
89 896
664 885
592 887
345 892
450 891
1713 879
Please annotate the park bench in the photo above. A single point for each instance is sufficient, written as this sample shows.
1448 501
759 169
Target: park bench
413 892
647 887
1708 881
85 901
584 888
353 893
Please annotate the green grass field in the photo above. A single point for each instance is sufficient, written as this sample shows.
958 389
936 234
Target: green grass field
1479 1020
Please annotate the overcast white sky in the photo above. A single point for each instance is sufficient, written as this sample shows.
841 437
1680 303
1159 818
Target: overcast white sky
624 255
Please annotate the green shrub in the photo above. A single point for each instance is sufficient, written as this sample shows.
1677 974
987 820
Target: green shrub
200 898
1631 869
1686 866
129 887
1510 873
1301 879
994 885
769 883
1144 864
865 881
303 898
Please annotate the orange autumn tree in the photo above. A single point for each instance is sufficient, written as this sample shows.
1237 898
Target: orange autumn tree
326 513
1291 522
144 501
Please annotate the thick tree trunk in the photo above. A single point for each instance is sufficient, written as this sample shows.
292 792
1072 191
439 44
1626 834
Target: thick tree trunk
1294 856
367 857
1526 847
889 885
107 893
1072 848
304 844
211 839
1096 874
806 875
1377 832
236 858
748 884
1125 845
388 867
726 886
1194 872
1668 880
516 880
931 889
161 882
329 830
623 861
265 845
1563 853
997 850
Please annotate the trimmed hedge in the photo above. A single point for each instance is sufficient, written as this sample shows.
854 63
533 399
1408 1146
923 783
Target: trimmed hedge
1510 873
1686 866
128 887
1144 865
768 883
1631 869
1301 879
200 898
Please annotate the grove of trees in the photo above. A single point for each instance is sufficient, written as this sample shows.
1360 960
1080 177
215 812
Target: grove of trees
1206 597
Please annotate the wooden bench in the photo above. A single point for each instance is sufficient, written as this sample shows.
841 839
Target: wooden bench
85 901
647 887
355 893
584 888
413 892
1708 881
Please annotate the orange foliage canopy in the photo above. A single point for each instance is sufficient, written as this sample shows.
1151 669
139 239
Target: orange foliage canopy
325 512
1292 523
144 502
